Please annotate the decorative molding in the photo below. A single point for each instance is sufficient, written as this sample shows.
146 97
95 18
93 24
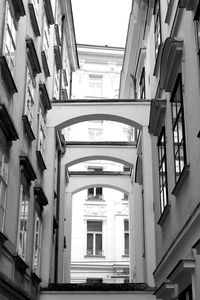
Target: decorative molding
7 76
27 168
157 115
34 21
32 55
171 57
41 197
28 128
49 11
44 96
7 125
45 64
41 160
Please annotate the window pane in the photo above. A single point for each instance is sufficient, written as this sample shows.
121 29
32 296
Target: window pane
126 225
94 226
99 191
98 244
89 243
126 243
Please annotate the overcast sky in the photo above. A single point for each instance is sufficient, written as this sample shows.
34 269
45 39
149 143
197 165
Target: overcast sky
101 22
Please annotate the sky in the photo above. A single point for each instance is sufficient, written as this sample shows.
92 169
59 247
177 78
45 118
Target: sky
101 22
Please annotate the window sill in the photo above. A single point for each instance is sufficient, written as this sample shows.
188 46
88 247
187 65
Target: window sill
181 179
125 255
94 256
28 128
164 215
35 278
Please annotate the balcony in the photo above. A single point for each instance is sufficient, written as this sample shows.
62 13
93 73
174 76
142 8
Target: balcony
44 96
28 128
34 21
19 8
45 64
49 11
58 58
7 124
32 55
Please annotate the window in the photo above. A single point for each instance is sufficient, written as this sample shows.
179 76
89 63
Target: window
10 39
42 132
30 93
162 165
95 134
157 26
142 85
94 237
3 184
23 220
126 237
95 193
37 244
36 7
186 294
95 85
56 83
180 158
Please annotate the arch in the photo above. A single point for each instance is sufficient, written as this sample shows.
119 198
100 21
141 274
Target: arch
92 117
114 187
99 157
171 56
133 113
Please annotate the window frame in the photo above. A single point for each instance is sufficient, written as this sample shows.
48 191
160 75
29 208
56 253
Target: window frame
94 234
37 243
182 163
93 194
162 164
142 85
4 173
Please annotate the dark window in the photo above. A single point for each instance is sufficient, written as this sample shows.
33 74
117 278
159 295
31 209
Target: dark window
186 294
179 145
157 26
142 85
162 164
94 238
95 193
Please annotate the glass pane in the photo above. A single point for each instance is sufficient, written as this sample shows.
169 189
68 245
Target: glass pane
89 243
126 225
98 244
126 243
94 226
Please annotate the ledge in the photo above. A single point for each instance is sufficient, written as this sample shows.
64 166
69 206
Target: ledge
27 168
41 160
97 173
7 124
45 64
34 21
164 214
32 55
165 290
19 8
98 287
94 256
44 96
20 263
58 58
39 193
182 177
28 128
7 76
48 11
101 143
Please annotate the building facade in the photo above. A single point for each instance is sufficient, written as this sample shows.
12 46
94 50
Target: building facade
37 52
163 65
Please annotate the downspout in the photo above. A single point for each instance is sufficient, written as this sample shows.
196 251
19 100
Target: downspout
58 167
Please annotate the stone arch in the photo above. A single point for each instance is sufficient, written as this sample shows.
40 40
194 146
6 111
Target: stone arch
106 117
99 157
